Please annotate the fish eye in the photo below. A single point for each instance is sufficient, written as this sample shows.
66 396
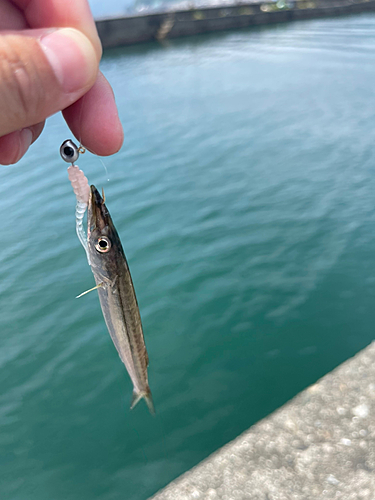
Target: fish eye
103 244
69 151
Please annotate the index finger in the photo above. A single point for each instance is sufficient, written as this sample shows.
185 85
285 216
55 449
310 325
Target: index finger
61 14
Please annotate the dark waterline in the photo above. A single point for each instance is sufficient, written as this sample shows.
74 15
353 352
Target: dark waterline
244 197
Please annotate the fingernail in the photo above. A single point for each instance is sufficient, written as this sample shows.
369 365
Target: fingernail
26 138
72 58
16 145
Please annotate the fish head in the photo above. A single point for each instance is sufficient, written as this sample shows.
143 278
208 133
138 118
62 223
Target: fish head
103 241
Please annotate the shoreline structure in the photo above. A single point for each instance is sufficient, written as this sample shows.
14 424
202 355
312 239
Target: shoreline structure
321 444
129 30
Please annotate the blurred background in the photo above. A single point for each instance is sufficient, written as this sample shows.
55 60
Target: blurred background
244 197
111 8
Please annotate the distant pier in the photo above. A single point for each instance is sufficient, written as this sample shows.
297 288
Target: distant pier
129 30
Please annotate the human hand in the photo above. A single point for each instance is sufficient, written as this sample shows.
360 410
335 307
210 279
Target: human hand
49 59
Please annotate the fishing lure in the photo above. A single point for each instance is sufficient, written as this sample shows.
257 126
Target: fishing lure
112 276
70 153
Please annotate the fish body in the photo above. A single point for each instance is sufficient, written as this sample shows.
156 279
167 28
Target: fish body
117 296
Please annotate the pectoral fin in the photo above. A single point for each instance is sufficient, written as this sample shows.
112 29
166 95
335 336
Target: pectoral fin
91 289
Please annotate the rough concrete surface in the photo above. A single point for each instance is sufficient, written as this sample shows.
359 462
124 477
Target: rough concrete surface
319 445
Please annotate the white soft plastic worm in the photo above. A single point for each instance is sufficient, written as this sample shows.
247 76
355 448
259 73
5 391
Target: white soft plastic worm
81 189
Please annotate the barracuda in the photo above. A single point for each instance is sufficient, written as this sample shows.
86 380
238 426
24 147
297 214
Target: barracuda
111 272
117 295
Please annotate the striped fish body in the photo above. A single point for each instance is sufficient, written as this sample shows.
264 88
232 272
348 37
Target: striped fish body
117 296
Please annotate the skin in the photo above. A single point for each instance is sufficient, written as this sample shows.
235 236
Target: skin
49 62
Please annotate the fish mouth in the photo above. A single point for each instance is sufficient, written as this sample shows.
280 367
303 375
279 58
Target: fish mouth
97 216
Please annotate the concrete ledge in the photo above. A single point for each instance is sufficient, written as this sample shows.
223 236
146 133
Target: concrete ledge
129 30
319 445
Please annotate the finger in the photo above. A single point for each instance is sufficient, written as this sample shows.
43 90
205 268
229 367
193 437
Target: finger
94 119
60 14
42 75
14 145
11 18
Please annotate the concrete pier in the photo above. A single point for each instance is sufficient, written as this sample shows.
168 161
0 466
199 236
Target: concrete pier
319 445
129 30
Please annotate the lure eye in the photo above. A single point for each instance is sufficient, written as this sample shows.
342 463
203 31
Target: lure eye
69 151
103 244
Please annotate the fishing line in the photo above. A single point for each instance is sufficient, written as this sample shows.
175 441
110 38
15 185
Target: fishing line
105 168
81 147
80 121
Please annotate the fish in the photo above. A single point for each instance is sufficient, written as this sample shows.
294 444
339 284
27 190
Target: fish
108 263
117 295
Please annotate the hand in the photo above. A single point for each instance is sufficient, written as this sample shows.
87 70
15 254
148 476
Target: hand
49 59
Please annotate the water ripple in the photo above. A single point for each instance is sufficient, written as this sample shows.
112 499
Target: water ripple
244 198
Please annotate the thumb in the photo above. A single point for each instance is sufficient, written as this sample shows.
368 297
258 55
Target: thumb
42 72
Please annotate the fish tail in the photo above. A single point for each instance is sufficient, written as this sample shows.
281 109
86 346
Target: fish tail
147 396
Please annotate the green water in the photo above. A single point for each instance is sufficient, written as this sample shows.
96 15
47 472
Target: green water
244 196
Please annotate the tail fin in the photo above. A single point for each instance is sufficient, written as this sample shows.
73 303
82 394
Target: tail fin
146 395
